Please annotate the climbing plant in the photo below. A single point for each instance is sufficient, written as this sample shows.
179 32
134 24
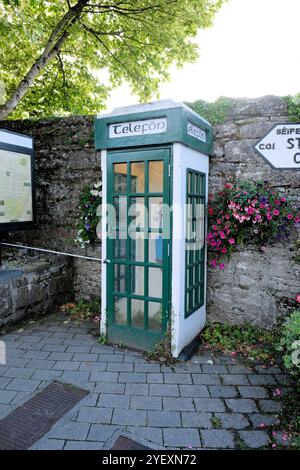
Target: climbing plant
214 112
293 107
88 215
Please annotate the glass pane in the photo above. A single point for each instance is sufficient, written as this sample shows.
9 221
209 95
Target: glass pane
120 204
120 177
191 302
137 177
137 280
121 310
196 300
190 276
155 248
137 245
120 278
137 313
156 174
154 316
155 282
120 246
201 184
136 212
200 224
155 212
189 188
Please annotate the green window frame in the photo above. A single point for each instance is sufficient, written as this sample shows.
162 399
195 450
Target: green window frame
195 245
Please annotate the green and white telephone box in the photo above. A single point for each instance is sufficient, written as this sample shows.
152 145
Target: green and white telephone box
154 190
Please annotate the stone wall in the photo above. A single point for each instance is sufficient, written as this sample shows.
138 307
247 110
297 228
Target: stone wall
37 288
254 286
66 161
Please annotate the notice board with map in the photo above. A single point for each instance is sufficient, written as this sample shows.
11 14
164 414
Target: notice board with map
17 196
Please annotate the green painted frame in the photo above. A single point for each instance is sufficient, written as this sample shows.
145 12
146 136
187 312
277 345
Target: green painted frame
200 262
177 121
127 334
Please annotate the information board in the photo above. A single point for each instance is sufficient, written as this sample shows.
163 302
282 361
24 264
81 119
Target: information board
17 201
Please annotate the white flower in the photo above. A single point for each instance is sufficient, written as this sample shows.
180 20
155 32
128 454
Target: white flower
97 185
94 192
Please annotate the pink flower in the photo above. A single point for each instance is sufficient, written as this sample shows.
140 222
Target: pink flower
219 221
221 265
222 234
231 241
277 392
226 216
283 199
269 217
277 202
274 433
276 212
290 216
274 446
298 298
262 425
215 227
214 263
224 251
250 210
284 437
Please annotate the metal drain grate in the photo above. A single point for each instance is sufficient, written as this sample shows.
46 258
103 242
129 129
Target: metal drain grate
28 423
124 443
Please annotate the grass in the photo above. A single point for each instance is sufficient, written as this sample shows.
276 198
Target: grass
290 416
162 350
248 341
82 311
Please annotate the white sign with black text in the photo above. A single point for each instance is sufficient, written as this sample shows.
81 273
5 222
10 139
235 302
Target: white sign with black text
137 128
281 146
196 132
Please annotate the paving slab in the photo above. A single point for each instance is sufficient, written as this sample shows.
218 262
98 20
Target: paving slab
254 439
178 437
217 439
211 402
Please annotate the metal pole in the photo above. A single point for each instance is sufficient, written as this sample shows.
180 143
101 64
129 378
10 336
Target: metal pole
47 251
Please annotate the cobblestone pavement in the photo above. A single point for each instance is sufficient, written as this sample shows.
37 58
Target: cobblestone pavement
208 402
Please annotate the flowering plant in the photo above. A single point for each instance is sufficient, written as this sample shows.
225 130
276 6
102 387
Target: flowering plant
248 212
89 202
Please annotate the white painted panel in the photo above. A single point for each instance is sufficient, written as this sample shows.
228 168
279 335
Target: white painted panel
16 139
134 128
103 322
184 330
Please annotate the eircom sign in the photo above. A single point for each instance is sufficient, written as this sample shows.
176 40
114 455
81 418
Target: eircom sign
281 146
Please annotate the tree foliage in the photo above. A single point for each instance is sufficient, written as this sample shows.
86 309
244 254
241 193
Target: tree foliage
84 48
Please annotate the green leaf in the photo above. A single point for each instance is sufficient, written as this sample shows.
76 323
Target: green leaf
135 42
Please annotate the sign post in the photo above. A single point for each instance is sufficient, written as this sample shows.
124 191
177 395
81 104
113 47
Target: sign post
280 147
17 196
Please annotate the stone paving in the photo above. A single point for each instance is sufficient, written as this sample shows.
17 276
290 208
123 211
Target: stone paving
208 402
